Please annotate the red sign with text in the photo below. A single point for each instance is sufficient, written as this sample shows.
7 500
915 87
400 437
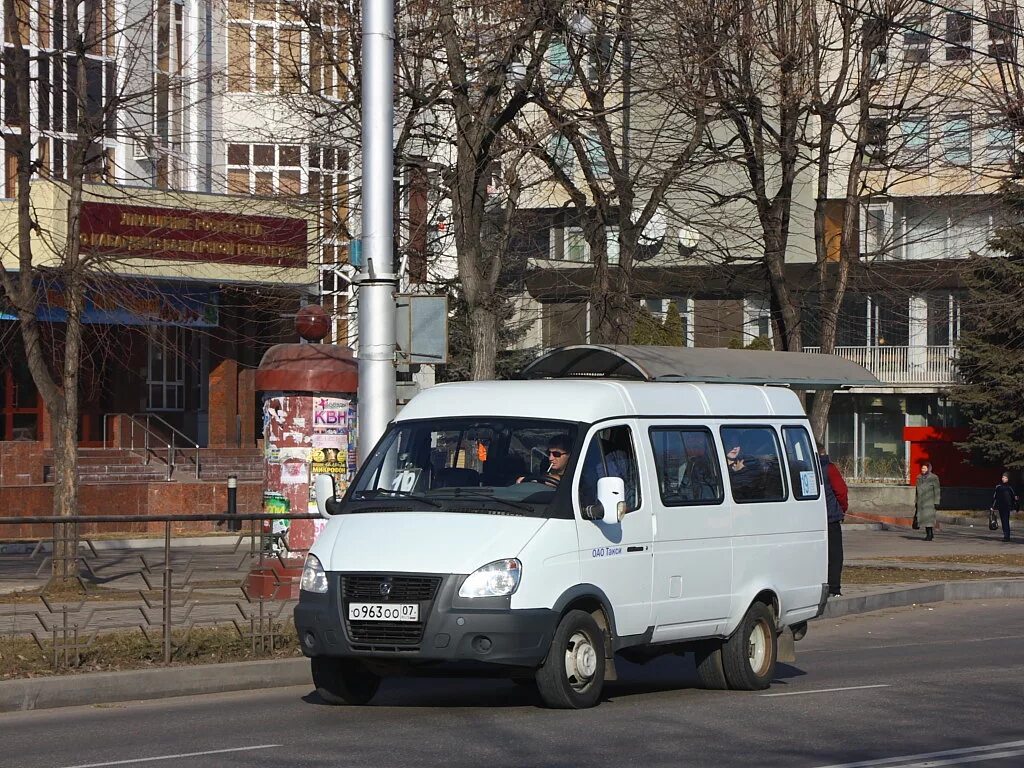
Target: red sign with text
134 231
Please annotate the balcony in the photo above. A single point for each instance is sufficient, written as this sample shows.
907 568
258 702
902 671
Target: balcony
913 365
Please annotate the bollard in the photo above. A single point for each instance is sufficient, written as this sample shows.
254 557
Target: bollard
233 524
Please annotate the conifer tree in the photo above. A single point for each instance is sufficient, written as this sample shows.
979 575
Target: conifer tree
990 352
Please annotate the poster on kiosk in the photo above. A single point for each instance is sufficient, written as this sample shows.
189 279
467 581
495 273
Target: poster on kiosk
304 435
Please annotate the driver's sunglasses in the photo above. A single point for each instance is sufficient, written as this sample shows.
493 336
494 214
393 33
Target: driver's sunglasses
557 454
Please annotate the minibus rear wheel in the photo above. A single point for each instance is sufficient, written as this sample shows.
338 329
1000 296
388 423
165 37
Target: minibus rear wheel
572 675
343 681
749 655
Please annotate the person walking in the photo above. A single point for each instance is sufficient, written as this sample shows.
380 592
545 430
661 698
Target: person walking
926 499
836 504
1004 499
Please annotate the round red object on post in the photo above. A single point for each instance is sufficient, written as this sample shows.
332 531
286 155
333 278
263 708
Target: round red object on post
312 322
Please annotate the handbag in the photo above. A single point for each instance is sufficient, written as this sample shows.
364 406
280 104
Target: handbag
915 525
992 522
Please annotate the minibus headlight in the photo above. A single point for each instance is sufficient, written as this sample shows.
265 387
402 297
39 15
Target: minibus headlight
313 577
496 579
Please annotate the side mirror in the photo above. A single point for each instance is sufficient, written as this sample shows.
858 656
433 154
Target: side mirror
325 490
611 498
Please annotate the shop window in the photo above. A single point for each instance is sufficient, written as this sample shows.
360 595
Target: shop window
755 467
166 369
688 471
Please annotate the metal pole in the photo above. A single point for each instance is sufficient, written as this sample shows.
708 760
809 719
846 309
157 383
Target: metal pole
377 281
168 576
233 524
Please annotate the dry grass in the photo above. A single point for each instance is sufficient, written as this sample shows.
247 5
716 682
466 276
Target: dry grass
22 657
866 574
1015 560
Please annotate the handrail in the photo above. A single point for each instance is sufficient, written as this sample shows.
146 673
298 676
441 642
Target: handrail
143 421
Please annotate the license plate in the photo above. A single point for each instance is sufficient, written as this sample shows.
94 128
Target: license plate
383 611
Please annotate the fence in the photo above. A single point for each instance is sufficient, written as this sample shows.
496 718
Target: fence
157 590
903 364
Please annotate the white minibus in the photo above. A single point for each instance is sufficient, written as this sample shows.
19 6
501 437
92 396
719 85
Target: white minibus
537 529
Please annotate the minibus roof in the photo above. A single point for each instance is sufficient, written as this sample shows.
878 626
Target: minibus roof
800 370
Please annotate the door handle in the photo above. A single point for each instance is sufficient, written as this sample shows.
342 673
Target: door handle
635 549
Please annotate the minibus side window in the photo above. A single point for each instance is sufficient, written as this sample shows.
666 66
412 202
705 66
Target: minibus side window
610 454
688 471
803 464
755 464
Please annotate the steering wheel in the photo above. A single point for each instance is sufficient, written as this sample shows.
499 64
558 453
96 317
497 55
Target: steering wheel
542 479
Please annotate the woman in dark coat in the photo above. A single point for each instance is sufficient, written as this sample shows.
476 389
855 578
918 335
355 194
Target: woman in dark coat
926 499
1004 499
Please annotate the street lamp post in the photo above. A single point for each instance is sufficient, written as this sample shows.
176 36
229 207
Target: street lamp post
377 281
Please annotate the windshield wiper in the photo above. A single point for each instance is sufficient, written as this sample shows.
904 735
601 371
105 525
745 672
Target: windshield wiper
388 493
475 494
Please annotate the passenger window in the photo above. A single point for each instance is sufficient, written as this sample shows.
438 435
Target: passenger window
755 467
688 470
803 464
610 454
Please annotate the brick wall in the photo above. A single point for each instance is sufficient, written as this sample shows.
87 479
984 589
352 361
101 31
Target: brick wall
21 463
156 498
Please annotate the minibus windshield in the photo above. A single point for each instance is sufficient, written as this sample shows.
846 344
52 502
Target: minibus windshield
491 464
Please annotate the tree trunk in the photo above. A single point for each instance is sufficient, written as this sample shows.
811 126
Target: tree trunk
484 333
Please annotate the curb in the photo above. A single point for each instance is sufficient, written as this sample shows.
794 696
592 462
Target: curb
107 687
980 589
24 694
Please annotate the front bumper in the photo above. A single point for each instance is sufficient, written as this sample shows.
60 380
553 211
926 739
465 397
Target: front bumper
454 629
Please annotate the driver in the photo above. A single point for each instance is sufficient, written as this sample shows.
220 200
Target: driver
558 456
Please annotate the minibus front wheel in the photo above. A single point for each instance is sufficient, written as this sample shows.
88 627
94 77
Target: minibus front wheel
343 681
572 675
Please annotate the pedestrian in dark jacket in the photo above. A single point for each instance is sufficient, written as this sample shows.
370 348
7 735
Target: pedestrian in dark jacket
836 504
926 499
1004 500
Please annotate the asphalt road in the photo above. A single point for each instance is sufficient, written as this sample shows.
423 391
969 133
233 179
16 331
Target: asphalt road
923 687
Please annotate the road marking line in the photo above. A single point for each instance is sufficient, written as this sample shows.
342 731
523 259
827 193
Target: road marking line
826 690
173 757
946 757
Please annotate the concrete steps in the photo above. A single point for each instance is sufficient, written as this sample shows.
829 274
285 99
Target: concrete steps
98 466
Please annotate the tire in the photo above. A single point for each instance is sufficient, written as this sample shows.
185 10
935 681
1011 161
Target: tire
572 675
749 656
343 681
710 671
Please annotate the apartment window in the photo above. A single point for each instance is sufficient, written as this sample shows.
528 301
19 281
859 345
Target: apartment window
999 141
272 49
916 39
595 156
559 62
958 36
889 321
956 140
561 151
758 319
318 173
568 244
877 230
915 139
611 238
877 130
166 371
1002 33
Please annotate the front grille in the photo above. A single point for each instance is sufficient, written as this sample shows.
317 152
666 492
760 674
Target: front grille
404 589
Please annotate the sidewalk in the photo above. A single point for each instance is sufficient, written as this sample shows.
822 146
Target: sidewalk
865 545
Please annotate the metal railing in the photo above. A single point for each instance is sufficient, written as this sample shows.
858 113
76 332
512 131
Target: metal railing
903 364
143 422
152 596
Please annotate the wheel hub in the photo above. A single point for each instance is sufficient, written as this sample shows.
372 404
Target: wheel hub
580 660
757 648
